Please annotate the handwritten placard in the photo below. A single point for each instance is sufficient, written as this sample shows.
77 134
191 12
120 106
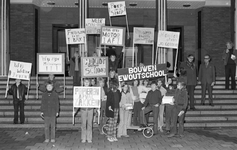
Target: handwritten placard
94 67
117 8
143 35
75 36
168 39
19 70
86 97
112 36
50 63
93 25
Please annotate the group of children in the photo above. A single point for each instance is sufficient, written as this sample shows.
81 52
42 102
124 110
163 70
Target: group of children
119 102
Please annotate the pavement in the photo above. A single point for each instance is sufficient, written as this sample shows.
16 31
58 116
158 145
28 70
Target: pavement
69 139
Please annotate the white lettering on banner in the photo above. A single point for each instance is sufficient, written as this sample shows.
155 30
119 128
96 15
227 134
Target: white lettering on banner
144 75
19 70
142 69
86 97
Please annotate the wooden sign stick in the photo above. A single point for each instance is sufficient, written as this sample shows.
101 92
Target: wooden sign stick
7 87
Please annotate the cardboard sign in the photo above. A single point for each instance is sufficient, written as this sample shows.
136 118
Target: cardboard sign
112 36
51 63
94 67
143 35
168 39
19 70
86 97
75 36
93 25
117 8
145 72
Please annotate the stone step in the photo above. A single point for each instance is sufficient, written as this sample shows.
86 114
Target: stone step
68 107
69 101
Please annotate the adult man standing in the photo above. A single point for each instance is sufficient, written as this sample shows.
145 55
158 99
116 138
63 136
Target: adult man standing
18 91
207 77
229 57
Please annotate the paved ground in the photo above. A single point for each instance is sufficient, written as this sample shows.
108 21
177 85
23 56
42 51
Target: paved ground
194 139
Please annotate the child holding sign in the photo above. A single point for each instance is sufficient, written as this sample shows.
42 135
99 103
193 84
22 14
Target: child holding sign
112 109
49 111
18 91
177 112
87 118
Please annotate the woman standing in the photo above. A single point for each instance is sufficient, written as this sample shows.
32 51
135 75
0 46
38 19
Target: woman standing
191 70
112 110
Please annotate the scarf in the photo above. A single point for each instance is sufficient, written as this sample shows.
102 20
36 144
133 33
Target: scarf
190 64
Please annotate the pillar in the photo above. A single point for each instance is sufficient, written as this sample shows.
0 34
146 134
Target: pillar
4 38
82 10
161 24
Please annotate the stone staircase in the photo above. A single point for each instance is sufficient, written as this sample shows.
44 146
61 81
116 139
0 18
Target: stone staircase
222 114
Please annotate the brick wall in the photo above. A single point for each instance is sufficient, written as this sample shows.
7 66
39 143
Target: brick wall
22 33
215 33
215 29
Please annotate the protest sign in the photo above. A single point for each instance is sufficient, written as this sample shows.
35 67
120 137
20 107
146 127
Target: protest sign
51 63
112 36
94 67
93 25
168 39
86 97
75 36
145 72
143 35
117 8
19 70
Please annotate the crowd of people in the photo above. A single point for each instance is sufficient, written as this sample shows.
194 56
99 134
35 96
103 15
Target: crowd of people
128 104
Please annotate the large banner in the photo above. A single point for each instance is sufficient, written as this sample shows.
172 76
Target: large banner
86 97
94 67
50 63
117 8
75 36
93 25
168 39
145 72
19 70
112 36
143 35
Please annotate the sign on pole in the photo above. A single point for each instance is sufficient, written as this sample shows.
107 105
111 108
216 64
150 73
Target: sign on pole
19 70
75 36
112 36
117 8
86 97
143 35
93 25
145 72
168 39
50 63
93 67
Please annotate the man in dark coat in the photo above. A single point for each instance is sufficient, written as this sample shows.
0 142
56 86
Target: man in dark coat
207 78
18 91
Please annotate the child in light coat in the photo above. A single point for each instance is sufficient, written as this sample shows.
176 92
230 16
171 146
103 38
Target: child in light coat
125 113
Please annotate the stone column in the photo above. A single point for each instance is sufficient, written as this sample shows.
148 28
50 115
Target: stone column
161 24
82 10
4 38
